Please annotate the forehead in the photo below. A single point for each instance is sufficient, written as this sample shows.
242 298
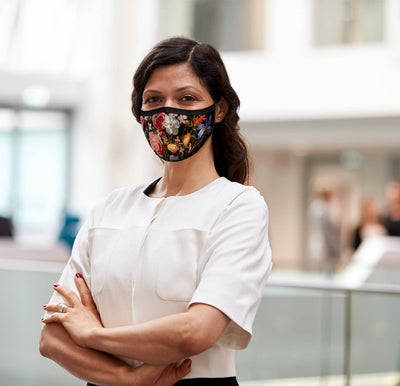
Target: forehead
174 76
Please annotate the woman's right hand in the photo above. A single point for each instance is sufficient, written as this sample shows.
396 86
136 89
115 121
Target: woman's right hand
149 375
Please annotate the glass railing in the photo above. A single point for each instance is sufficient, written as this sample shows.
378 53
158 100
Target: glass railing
324 333
307 332
22 295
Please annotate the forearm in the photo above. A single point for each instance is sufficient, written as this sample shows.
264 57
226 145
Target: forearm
156 342
84 363
164 340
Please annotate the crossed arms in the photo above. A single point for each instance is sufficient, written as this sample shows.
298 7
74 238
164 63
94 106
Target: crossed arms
77 341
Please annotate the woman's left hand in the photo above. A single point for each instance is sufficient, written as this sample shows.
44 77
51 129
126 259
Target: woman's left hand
161 375
78 316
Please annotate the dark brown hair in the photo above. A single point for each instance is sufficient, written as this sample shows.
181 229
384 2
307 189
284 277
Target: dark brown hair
229 149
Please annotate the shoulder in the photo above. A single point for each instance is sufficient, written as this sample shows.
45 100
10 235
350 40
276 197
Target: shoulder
121 196
241 201
116 203
243 195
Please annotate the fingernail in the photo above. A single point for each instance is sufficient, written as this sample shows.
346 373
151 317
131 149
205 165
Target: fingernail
78 275
42 319
44 305
56 285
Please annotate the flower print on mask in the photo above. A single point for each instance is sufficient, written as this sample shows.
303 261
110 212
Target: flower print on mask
172 148
180 133
186 139
171 124
199 119
204 127
181 118
156 144
158 120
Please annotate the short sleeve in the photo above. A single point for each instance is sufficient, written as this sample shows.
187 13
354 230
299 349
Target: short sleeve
236 265
78 262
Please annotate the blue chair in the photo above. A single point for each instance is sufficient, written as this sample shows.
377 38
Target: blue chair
69 230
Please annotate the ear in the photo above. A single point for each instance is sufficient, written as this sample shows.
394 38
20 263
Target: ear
220 110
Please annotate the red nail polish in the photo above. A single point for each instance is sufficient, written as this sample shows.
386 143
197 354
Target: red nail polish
45 305
56 285
78 275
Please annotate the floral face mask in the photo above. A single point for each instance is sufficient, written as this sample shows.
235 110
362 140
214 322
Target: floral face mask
176 134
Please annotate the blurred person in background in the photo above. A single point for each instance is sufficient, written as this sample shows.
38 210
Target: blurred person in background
370 222
174 269
392 217
323 246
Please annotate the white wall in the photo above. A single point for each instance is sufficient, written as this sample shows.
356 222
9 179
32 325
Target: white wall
278 175
292 79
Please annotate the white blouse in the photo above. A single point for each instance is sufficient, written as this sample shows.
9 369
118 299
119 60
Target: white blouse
145 257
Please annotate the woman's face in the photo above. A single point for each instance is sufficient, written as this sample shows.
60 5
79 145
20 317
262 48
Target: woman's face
175 86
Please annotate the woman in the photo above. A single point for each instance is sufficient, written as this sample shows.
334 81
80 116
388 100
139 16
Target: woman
176 269
391 219
370 222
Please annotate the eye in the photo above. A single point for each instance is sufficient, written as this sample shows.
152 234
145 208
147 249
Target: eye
152 99
188 98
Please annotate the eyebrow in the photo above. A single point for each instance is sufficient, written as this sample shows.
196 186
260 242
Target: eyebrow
180 89
186 88
152 91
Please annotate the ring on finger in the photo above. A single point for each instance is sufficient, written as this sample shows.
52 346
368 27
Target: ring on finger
62 307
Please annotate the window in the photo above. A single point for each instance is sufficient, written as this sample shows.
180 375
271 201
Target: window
229 25
33 173
348 21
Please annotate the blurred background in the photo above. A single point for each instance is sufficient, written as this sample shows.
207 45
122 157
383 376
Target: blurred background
319 83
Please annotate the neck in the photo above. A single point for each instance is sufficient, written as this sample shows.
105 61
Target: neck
187 176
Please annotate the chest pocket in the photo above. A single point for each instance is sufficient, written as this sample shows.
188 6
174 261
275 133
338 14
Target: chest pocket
102 245
178 253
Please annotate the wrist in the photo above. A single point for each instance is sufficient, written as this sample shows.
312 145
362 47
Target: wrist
125 376
91 337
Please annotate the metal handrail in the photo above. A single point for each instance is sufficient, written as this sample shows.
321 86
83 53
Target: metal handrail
333 285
